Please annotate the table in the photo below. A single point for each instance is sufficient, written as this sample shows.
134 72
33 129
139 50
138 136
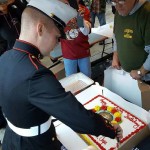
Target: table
71 140
105 30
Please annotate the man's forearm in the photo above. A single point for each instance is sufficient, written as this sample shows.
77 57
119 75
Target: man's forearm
87 28
115 43
143 71
146 66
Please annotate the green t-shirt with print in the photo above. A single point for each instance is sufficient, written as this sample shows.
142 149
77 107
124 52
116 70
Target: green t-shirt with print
132 34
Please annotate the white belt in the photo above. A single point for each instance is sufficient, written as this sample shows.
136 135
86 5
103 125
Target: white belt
33 131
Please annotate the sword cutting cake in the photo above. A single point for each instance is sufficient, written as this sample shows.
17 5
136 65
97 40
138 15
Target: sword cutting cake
115 114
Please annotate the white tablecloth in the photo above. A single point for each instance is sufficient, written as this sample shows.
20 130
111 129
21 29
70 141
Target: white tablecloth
71 140
105 30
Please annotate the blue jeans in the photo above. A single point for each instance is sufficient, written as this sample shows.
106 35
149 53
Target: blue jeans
101 17
71 66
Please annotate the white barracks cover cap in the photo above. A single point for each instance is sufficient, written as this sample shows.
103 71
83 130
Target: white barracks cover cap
55 9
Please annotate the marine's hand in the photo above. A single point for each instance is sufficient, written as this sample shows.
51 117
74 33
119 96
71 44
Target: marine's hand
119 132
115 61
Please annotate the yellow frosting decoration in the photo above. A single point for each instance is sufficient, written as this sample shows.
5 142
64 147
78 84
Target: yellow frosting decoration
87 140
117 114
97 108
109 108
114 122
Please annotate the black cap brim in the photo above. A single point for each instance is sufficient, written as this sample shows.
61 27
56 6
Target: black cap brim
61 29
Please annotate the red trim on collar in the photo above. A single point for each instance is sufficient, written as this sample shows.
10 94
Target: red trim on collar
21 50
40 62
29 57
28 44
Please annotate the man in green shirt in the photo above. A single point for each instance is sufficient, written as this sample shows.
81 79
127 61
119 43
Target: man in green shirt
132 38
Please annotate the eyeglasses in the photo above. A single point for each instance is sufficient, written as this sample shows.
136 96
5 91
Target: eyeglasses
120 2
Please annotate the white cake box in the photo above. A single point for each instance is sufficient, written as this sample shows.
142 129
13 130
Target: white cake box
76 82
72 141
121 83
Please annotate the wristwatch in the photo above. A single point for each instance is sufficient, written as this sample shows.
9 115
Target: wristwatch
139 73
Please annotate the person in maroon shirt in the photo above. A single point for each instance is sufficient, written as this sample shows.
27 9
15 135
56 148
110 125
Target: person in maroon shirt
76 52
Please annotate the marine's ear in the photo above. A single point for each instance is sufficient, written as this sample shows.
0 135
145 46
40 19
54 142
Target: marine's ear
40 28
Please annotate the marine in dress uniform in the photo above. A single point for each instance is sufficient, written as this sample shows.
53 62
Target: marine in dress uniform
30 94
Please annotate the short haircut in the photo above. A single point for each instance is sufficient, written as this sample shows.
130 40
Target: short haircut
31 16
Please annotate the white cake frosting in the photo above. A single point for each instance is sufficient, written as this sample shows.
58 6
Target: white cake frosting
130 125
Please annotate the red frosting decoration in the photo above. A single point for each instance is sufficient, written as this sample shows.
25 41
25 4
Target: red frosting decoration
118 119
104 107
114 110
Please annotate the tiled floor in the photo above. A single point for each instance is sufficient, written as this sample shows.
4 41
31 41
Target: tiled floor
95 50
